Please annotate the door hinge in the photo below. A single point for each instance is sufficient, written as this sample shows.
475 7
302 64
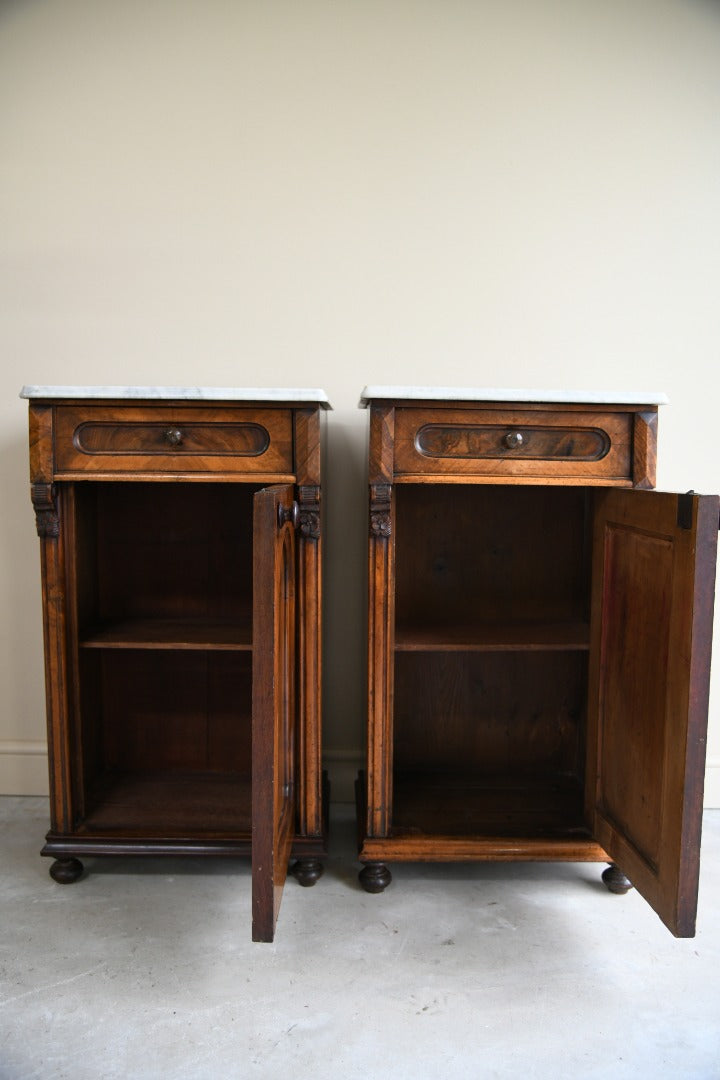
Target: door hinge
685 510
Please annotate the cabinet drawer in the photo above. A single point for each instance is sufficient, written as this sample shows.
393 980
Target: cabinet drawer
108 440
548 444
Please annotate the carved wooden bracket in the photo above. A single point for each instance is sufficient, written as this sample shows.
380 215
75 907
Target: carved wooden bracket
380 507
309 521
46 514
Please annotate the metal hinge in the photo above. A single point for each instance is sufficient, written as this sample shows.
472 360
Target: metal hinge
685 510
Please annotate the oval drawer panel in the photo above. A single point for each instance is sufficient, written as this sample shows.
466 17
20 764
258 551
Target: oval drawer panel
498 441
249 440
112 440
566 445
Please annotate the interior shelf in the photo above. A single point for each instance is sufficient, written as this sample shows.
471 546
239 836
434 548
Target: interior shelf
169 803
493 637
427 803
178 633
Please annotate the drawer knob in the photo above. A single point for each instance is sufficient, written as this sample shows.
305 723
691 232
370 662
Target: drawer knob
174 437
513 440
289 514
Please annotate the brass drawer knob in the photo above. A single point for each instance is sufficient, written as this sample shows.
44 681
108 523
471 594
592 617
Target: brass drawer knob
513 440
174 437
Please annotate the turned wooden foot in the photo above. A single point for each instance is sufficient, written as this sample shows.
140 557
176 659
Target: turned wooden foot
307 871
375 877
616 880
66 871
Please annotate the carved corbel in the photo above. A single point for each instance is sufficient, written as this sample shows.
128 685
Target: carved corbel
44 500
309 519
380 510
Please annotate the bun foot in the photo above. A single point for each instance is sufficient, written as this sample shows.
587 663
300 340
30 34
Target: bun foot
307 871
375 877
616 880
66 871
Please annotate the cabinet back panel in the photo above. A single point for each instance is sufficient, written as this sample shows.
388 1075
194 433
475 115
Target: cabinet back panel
168 711
490 553
510 713
168 550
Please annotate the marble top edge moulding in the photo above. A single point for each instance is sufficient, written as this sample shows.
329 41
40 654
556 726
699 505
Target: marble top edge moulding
473 393
299 395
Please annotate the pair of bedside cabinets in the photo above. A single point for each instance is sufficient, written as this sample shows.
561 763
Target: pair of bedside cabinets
539 626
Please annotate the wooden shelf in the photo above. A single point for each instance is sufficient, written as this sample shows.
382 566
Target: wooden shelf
235 634
493 637
468 804
170 804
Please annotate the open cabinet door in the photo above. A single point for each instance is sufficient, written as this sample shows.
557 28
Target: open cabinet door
652 606
273 709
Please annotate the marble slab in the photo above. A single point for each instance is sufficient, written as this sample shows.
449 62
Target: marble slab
281 395
474 393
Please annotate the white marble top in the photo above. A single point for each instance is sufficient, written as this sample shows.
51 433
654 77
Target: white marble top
181 393
474 393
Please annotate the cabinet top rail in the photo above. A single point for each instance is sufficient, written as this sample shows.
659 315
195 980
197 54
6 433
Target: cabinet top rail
477 394
276 395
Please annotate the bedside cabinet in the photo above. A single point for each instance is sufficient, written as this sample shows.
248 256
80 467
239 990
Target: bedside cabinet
539 640
181 574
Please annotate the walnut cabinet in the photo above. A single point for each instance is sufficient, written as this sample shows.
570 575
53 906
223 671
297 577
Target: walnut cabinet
539 641
181 573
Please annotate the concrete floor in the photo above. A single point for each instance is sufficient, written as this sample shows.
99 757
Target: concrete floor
146 970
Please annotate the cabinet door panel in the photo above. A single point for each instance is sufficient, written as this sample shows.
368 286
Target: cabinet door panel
273 725
653 588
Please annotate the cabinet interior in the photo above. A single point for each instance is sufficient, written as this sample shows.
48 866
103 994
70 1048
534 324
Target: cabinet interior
161 620
491 659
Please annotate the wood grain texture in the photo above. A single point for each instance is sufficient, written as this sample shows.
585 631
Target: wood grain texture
307 445
645 448
439 848
381 616
310 809
274 705
40 420
652 627
52 555
513 712
103 440
557 445
382 443
484 556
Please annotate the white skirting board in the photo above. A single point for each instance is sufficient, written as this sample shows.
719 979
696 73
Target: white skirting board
23 771
342 768
23 767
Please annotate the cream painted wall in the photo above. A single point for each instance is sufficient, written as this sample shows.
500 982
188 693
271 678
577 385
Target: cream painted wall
518 192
